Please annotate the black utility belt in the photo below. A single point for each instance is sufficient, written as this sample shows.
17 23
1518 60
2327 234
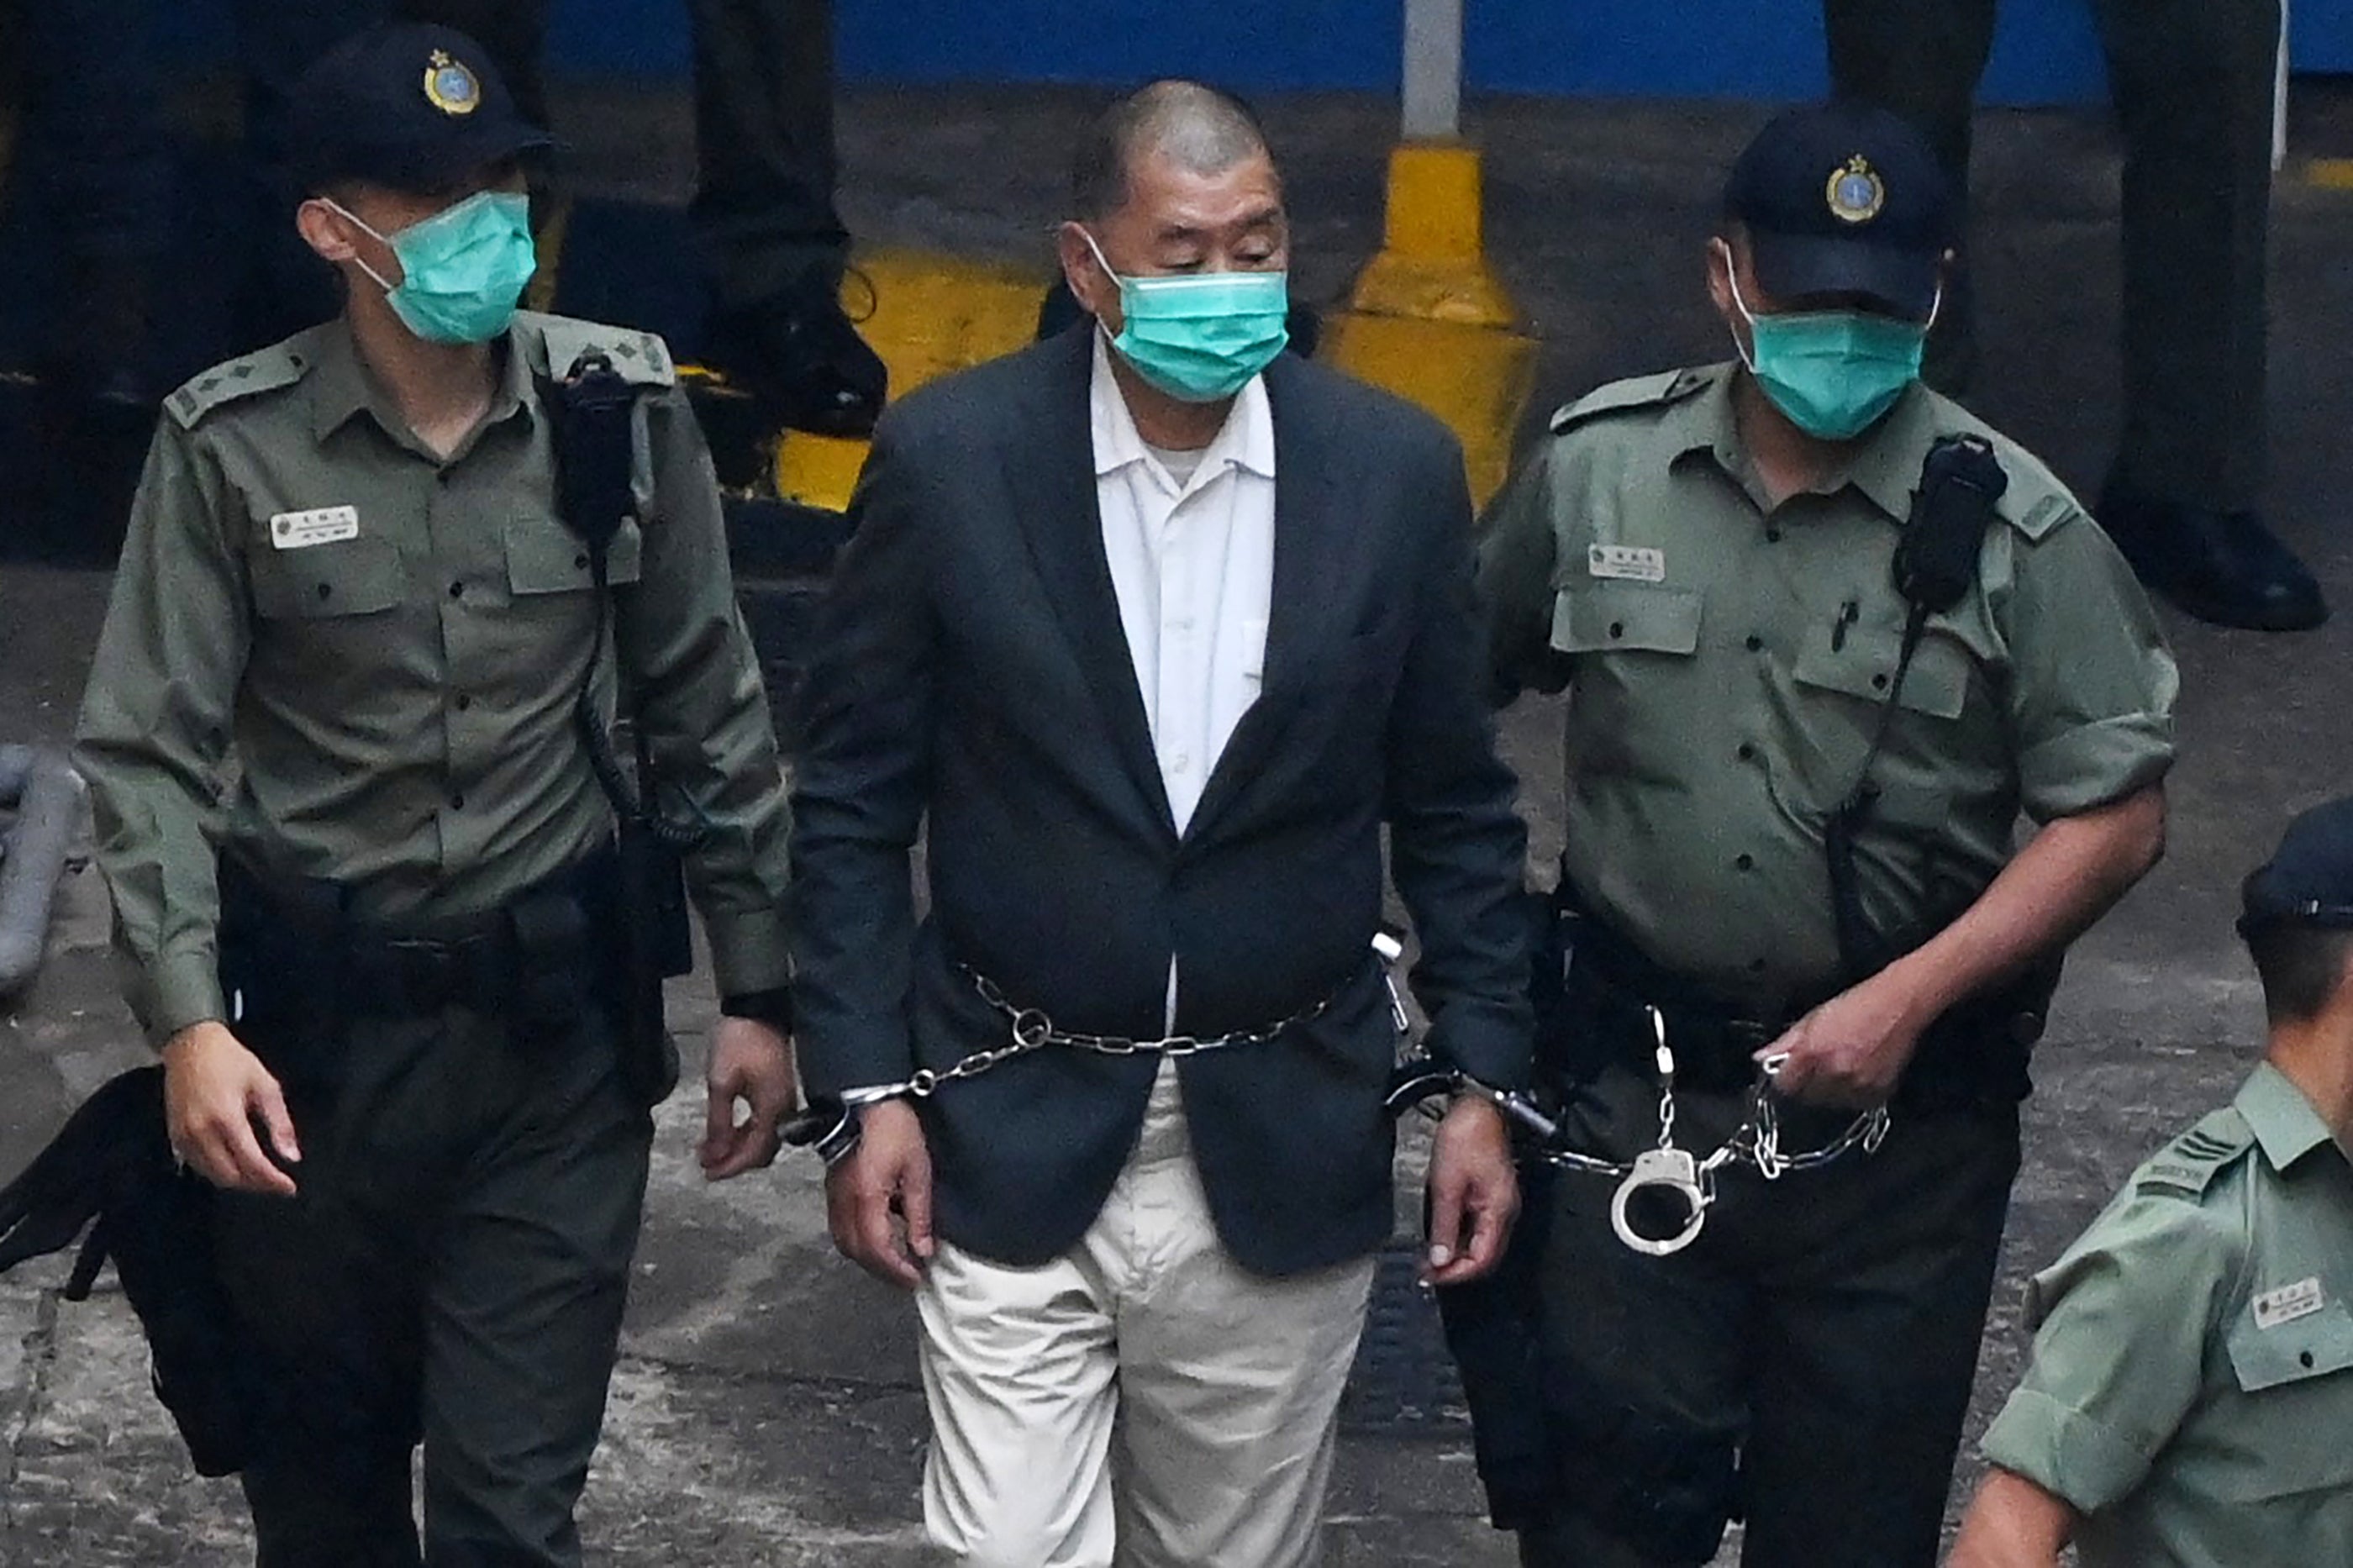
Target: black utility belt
1975 1053
536 956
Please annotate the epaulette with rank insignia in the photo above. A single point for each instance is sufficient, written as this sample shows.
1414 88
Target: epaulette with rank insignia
2188 1165
264 369
639 358
1636 392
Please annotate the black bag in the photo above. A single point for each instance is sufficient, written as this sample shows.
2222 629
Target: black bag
110 1169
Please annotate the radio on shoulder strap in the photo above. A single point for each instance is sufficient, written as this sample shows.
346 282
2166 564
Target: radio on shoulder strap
594 453
1961 484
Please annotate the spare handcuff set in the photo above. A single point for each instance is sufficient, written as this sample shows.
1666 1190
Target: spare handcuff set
830 1126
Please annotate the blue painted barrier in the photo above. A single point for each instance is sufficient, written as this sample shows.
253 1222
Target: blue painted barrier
2044 52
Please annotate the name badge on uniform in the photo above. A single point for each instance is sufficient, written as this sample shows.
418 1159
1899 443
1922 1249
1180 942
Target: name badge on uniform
320 525
1632 562
2288 1303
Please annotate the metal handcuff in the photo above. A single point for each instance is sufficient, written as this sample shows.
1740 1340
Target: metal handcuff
1756 1142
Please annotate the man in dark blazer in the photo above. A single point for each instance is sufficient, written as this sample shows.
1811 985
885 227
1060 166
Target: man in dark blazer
1152 629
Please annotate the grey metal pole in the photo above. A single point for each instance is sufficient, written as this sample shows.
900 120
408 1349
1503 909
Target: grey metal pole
1434 69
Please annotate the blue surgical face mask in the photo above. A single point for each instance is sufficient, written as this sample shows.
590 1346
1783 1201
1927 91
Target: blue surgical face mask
1833 373
1199 337
462 269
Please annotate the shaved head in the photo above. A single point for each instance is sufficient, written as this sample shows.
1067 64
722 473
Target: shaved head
1200 129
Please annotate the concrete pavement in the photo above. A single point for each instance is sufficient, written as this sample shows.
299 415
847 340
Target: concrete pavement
766 1409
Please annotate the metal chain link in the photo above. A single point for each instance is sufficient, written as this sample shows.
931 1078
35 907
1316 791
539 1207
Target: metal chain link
1031 1029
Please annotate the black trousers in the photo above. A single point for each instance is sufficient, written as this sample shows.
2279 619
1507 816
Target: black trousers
1805 1363
2192 84
452 1271
764 122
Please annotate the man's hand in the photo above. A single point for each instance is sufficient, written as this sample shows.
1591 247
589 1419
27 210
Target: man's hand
1850 1050
214 1092
1474 1193
751 1069
889 1174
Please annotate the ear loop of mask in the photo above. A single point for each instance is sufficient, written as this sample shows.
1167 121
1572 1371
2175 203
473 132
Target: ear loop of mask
369 229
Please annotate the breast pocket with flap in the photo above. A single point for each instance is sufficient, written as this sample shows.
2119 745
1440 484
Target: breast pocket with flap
1625 617
1862 662
349 577
2299 1372
545 557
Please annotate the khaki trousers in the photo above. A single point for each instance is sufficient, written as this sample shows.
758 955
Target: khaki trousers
1220 1387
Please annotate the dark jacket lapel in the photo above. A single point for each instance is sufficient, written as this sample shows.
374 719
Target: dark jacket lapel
1303 610
1053 487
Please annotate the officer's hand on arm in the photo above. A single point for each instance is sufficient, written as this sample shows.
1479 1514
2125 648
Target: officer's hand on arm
750 1084
887 1179
1474 1193
2013 1523
214 1092
1850 1050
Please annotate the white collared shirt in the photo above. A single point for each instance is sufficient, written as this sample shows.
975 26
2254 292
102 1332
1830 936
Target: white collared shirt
1192 563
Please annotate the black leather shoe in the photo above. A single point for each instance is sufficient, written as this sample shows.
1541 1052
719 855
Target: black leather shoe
2220 566
801 358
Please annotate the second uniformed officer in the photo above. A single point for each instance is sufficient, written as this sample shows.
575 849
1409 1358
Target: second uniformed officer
2192 1382
382 963
1822 656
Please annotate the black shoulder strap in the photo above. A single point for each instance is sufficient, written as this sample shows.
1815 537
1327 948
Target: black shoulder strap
594 449
1961 483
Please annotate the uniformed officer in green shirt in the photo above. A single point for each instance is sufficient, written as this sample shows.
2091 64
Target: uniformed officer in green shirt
361 863
2191 1400
1791 795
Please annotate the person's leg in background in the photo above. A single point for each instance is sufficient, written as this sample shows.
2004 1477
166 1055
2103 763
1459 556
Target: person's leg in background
764 124
2192 82
92 167
1922 61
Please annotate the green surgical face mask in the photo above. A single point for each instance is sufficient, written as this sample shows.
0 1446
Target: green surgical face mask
1833 373
1201 336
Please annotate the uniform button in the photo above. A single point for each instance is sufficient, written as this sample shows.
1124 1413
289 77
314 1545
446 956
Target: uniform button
1744 862
2304 1358
1617 629
456 590
1747 753
464 702
1772 536
1878 682
457 803
1756 643
326 590
580 562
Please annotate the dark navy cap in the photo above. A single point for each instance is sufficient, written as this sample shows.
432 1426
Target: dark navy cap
411 106
1843 198
2309 878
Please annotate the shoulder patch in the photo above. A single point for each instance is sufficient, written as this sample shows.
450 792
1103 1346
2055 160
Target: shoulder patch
266 370
640 358
1638 392
2187 1165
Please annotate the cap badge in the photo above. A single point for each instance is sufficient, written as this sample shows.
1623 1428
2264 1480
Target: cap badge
1855 192
450 87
